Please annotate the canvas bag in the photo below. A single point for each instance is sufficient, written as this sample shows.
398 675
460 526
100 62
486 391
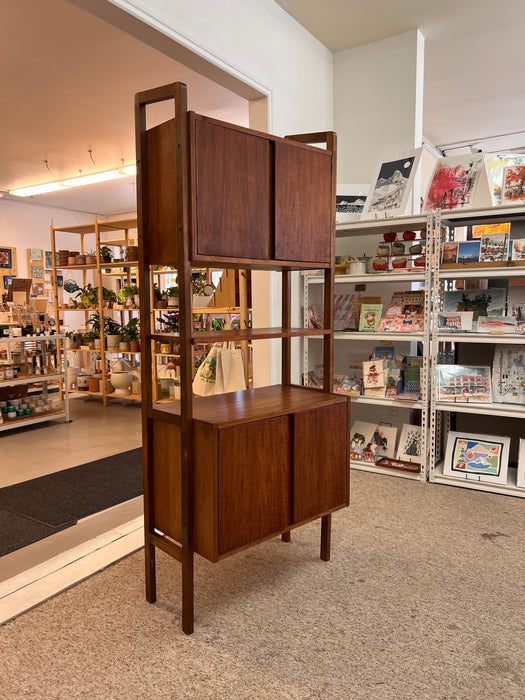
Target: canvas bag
221 372
230 370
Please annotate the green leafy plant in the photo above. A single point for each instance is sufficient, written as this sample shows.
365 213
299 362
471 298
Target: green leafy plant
170 321
108 294
130 331
126 292
94 322
106 254
111 327
88 295
157 292
173 292
201 287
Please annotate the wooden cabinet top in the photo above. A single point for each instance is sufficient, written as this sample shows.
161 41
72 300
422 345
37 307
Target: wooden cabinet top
253 404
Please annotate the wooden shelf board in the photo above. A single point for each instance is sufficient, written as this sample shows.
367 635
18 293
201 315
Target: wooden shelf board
251 405
30 420
76 267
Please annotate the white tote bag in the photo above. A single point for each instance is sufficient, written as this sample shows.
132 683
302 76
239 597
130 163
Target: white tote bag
205 380
230 370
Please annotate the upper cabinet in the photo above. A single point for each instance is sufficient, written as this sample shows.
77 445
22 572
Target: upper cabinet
256 199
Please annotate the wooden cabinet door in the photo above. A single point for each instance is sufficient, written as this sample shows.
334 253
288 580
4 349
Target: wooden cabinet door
320 461
254 481
232 192
303 204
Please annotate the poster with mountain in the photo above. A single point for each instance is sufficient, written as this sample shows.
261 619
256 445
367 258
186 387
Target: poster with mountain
454 182
391 186
349 202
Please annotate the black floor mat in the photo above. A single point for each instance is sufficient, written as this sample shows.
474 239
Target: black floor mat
17 532
60 499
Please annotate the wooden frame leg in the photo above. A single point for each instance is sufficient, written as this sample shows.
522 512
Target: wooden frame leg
151 576
187 591
286 536
326 531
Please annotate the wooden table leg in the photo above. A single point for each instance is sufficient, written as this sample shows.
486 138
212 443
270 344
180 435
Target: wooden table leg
326 531
187 591
151 578
286 536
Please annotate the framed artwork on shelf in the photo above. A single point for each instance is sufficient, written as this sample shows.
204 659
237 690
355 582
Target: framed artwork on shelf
513 191
391 186
468 251
35 254
517 249
497 324
349 202
37 273
458 321
462 384
494 247
477 457
361 435
508 374
520 479
48 259
6 258
449 252
454 181
480 302
7 280
409 446
370 317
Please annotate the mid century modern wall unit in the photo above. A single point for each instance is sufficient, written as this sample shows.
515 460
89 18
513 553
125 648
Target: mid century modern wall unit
226 472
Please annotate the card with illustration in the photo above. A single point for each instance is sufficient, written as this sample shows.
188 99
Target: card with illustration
449 252
374 374
468 251
494 247
477 457
480 301
370 317
459 383
409 447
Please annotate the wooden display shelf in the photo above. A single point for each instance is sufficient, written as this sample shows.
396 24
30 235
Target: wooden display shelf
242 334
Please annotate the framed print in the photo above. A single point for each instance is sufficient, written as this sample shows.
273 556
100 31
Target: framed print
7 279
449 252
391 186
463 384
60 280
349 202
409 447
454 182
6 259
35 254
48 260
480 302
494 247
477 457
37 273
497 324
508 374
513 184
370 317
37 289
468 251
520 482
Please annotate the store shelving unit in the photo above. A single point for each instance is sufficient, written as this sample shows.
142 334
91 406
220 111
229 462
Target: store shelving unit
17 351
366 235
443 413
226 472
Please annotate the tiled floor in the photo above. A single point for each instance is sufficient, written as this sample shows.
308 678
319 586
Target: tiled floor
42 569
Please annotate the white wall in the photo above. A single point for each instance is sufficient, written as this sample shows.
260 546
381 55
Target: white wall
378 101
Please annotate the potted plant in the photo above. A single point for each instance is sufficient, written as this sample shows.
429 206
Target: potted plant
93 335
88 295
109 297
159 296
130 333
106 254
91 258
202 291
170 321
127 294
173 296
112 330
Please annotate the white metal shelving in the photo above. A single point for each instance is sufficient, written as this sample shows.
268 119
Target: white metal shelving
441 411
40 381
402 278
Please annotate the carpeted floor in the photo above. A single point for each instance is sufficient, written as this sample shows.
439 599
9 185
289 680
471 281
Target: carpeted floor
34 509
422 600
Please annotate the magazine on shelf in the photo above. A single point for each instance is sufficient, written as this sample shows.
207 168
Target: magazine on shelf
508 374
463 384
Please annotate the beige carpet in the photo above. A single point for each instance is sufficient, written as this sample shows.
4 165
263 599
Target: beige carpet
423 599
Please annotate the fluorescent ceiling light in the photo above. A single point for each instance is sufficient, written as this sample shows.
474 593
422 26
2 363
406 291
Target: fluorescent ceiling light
105 176
38 189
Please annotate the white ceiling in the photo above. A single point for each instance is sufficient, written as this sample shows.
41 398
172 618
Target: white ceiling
69 79
474 58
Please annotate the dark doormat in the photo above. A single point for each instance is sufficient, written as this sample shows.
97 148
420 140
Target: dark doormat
17 532
58 500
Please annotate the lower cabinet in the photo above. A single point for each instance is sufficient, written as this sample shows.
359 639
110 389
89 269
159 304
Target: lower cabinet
253 480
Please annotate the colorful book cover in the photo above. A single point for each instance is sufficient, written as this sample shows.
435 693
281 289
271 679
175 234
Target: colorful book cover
386 352
370 317
468 251
494 247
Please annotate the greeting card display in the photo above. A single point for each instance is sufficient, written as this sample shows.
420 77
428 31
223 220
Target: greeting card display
462 384
477 457
508 374
361 435
383 441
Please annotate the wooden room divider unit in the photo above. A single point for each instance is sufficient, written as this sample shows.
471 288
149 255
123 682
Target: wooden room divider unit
226 472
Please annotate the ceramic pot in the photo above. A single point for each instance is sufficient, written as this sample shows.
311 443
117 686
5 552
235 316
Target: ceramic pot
383 249
415 249
121 381
357 267
380 264
391 236
409 235
399 263
398 248
112 342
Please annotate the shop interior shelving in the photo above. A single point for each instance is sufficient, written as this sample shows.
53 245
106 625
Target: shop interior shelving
355 239
490 418
16 351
